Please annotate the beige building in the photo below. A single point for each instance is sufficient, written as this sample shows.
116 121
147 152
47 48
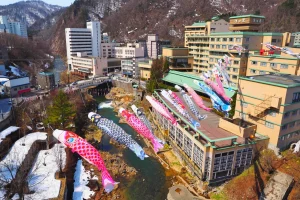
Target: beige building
259 64
272 102
207 46
145 69
218 150
178 58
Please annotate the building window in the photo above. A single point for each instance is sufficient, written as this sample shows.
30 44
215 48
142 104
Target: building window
247 39
212 39
224 39
273 65
296 97
230 39
253 71
223 46
263 64
286 115
284 127
238 40
294 112
274 40
284 66
212 46
234 77
235 70
236 62
272 113
254 62
211 60
244 104
262 72
292 124
218 39
218 46
269 125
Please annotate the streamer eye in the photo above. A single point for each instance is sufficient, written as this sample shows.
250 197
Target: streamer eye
71 140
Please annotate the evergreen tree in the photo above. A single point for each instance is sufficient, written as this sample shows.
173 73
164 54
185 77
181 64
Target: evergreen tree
61 111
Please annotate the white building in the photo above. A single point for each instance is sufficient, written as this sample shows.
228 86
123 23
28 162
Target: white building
17 28
130 67
83 40
16 86
154 46
132 50
109 49
85 66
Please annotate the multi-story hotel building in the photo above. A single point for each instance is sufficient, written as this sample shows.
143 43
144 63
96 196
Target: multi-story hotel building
178 58
272 102
220 149
131 50
17 28
83 40
207 46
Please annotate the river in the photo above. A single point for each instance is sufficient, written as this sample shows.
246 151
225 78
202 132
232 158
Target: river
59 67
151 182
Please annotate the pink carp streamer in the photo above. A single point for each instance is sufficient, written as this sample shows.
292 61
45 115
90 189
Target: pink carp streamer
159 107
198 100
141 128
216 88
176 99
219 82
88 152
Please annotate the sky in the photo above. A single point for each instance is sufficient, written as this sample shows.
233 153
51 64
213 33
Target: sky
53 2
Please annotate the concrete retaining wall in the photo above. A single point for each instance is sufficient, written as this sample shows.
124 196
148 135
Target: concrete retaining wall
127 86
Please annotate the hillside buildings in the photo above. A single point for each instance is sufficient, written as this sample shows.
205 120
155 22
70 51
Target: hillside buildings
17 28
154 46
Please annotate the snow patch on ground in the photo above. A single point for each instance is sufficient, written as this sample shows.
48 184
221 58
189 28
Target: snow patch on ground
7 132
10 164
42 175
81 191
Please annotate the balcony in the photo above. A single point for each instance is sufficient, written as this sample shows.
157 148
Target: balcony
238 127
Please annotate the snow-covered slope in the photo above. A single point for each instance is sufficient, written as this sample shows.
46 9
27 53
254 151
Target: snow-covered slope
30 11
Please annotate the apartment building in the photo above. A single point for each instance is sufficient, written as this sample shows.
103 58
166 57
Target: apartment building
178 58
83 40
220 149
108 50
85 66
130 67
17 28
208 47
260 63
131 50
154 46
271 101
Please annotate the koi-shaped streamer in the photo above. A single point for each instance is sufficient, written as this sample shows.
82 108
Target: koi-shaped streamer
218 104
141 128
238 48
159 107
197 99
117 133
216 88
88 152
141 115
179 108
187 99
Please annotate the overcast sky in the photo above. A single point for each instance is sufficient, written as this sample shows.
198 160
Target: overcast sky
53 2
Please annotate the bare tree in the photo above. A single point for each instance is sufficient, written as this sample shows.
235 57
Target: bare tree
59 158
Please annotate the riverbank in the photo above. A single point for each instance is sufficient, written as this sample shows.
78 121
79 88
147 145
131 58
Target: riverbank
172 165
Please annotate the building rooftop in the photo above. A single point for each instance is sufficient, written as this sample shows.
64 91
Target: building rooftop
243 16
246 33
199 24
280 80
209 130
178 78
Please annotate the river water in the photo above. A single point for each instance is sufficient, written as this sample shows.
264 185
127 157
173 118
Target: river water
151 182
59 67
